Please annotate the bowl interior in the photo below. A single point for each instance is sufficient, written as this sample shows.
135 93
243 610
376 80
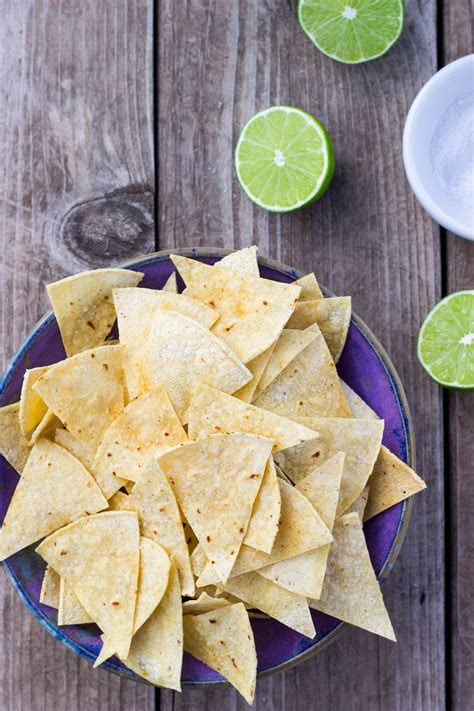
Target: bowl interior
363 365
435 134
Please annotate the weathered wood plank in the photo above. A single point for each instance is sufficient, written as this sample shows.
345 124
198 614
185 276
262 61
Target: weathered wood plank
218 64
458 41
76 122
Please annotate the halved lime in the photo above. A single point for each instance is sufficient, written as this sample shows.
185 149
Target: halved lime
352 31
446 341
284 159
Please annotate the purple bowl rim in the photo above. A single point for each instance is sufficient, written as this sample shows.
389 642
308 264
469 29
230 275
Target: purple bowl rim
407 504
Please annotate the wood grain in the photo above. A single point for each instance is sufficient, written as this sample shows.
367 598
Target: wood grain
367 237
459 255
76 124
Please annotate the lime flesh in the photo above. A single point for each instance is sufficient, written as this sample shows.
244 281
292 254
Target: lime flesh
284 159
352 31
446 341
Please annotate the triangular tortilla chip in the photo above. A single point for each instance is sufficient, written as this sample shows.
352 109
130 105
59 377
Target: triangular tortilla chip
263 525
244 261
309 288
308 386
288 346
98 556
223 639
288 608
147 427
86 392
360 440
153 578
333 317
391 481
359 504
153 499
253 311
135 311
156 652
301 529
13 443
54 490
257 367
181 354
304 574
108 483
171 284
84 307
359 408
70 610
49 594
351 591
32 406
204 603
216 480
213 411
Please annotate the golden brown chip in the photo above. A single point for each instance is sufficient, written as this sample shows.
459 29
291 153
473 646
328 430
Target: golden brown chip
244 261
204 603
309 288
49 594
32 406
70 610
288 346
391 481
13 443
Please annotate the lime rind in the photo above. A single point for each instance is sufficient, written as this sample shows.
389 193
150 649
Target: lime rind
312 164
322 25
445 346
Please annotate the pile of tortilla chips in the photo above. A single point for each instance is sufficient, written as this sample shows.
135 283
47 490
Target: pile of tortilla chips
211 454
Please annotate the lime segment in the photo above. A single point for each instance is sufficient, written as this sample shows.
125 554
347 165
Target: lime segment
352 31
446 341
284 159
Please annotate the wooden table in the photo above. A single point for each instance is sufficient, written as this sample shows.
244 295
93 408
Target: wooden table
117 124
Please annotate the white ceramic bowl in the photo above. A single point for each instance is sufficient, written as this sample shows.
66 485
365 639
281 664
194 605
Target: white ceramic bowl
430 149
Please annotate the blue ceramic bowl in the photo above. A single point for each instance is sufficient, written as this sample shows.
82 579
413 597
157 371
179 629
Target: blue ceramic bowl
364 366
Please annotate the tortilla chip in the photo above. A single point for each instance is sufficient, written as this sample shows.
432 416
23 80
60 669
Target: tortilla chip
351 591
182 354
153 578
391 481
153 499
46 428
304 574
108 483
244 261
198 560
213 411
156 652
70 610
360 440
49 594
54 490
216 480
98 556
263 525
288 608
288 346
147 427
309 288
257 367
333 317
135 311
204 603
13 443
308 386
32 406
171 284
223 639
86 392
84 307
359 408
301 529
359 504
253 311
